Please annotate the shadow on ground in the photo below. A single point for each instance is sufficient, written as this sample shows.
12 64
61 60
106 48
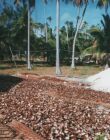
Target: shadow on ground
7 82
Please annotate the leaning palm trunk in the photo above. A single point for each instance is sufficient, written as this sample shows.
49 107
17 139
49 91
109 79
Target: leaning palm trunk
73 51
79 23
58 71
28 49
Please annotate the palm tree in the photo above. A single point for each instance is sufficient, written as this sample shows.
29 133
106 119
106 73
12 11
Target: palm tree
103 3
67 36
58 70
28 49
78 25
30 4
45 2
79 4
102 36
101 39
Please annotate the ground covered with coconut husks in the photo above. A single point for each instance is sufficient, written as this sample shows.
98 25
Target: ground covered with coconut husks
57 109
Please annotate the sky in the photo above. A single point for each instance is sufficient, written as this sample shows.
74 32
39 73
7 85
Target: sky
67 12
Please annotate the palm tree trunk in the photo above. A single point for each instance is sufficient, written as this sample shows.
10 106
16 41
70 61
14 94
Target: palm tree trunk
58 70
28 49
46 35
74 41
12 56
79 23
73 51
46 38
67 38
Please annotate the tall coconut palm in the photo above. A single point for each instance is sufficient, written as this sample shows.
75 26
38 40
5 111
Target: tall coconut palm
79 3
28 48
67 36
58 70
30 4
45 2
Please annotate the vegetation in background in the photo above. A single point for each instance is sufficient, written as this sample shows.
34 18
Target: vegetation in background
13 34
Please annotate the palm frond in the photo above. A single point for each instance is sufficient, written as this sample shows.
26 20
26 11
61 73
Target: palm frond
103 3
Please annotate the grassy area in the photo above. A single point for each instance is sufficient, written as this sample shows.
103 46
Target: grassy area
46 70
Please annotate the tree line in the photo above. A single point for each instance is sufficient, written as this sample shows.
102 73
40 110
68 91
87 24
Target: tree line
18 31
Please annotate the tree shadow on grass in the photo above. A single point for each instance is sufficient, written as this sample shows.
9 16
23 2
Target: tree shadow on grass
7 82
